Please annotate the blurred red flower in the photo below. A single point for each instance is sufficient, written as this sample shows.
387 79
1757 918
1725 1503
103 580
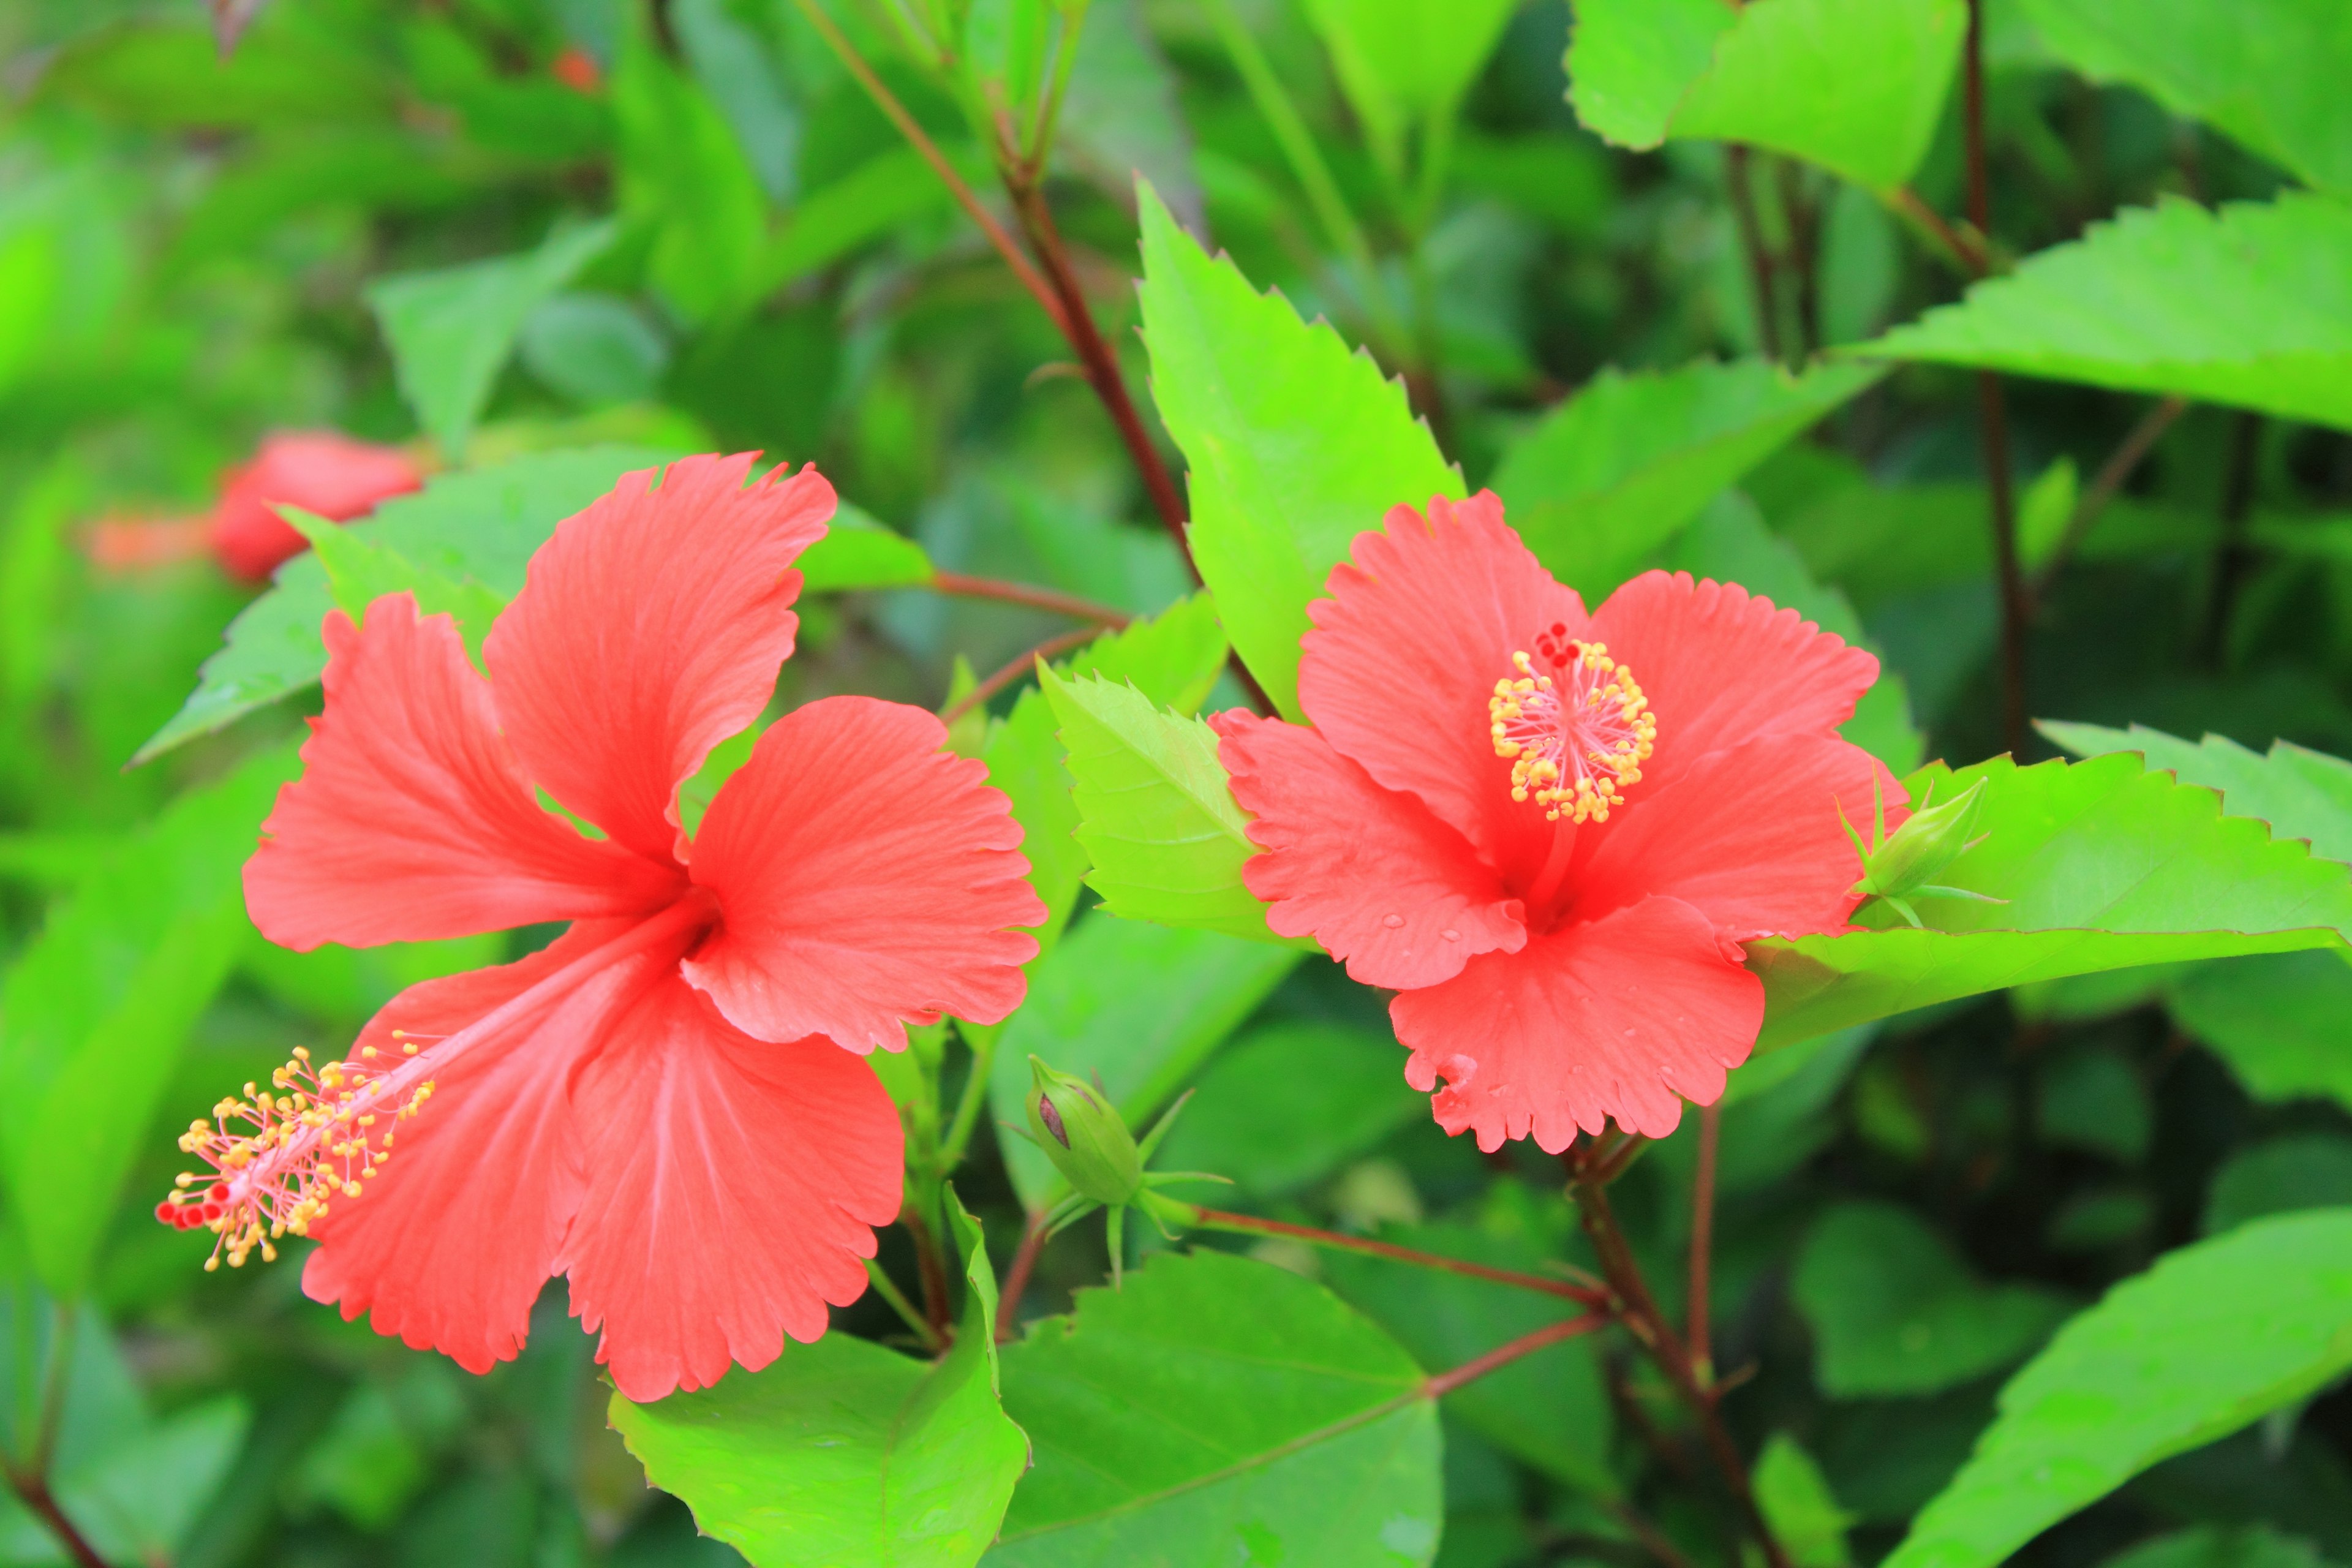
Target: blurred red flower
668 1105
1551 858
333 476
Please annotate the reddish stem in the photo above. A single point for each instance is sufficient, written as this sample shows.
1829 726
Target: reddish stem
1016 1278
33 1491
1015 668
933 1273
1218 1219
2113 475
1445 1383
1751 242
963 587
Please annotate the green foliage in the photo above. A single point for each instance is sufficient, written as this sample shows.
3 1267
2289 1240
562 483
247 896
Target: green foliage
1615 471
2098 865
2283 1022
2260 71
451 331
1893 1313
2247 306
1296 445
844 1453
2168 1361
2301 794
2309 1171
2217 1547
1282 1425
1855 86
1339 1099
1803 1512
1406 64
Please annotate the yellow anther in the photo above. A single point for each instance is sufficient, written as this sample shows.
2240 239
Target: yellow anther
1576 737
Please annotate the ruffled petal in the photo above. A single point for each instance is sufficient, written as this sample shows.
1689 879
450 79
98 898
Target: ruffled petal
1748 836
649 630
734 1188
411 820
1420 624
1720 667
449 1244
1368 872
866 880
1623 1019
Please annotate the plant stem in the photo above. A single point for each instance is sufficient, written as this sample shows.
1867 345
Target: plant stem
928 1268
1016 1278
1652 1538
975 1092
31 1489
1961 247
2231 558
1639 1310
1014 670
1751 244
2117 470
888 1289
1702 1243
1993 418
1251 1225
1803 214
958 585
1445 1383
895 112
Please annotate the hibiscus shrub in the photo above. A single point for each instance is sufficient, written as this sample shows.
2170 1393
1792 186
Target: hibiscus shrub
1176 782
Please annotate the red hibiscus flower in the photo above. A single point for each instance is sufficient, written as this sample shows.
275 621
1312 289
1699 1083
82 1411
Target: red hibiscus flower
668 1104
1550 832
333 476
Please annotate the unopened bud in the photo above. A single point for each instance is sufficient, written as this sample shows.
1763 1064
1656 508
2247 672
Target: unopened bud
1917 852
1083 1136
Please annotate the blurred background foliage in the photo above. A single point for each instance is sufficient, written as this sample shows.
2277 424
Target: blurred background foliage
685 226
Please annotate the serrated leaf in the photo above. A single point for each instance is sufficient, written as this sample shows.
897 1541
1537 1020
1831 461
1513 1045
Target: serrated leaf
2301 794
482 524
1893 1313
2103 866
1156 811
360 573
2249 306
1856 86
94 1010
451 331
1142 1005
1617 471
1294 443
2204 1343
844 1453
1219 1410
2268 72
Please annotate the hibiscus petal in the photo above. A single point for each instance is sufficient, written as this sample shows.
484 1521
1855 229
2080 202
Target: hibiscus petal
1720 667
1422 622
866 880
1620 1019
451 1242
1748 836
734 1187
1366 871
649 630
411 820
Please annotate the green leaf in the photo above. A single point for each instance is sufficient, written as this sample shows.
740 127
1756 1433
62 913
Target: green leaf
451 331
1856 86
887 191
1617 471
1406 63
846 1454
1172 658
1156 812
1797 1502
2265 71
1342 1093
2284 1176
1893 1313
94 1011
482 524
2103 866
2251 306
1219 1410
1550 1410
2282 1023
683 175
2222 1546
2207 1341
359 573
1295 444
2301 793
858 554
1144 1005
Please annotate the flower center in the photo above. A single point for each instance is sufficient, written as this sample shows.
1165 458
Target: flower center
1574 727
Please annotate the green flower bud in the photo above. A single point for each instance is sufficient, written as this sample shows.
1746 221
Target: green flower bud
1084 1136
1926 844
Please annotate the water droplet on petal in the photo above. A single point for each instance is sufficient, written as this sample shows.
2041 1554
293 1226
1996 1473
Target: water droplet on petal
1392 922
1451 935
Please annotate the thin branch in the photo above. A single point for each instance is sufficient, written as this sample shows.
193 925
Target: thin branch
1251 1225
1751 245
1652 1538
928 1268
2113 475
959 586
1445 1383
1702 1243
1959 245
31 1489
1804 213
888 102
2232 559
888 1289
1016 1278
1993 419
1013 670
974 1096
